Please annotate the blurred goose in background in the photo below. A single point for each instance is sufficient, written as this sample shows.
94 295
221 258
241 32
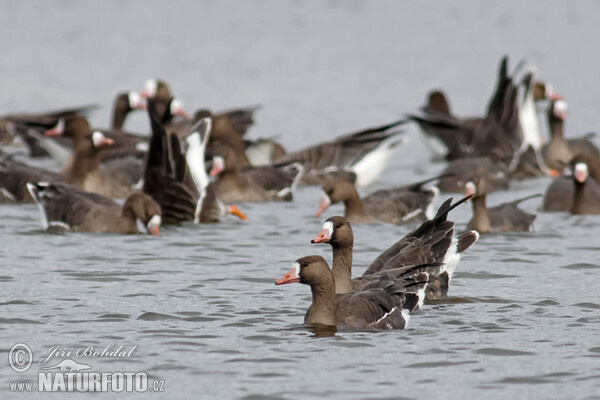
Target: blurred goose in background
114 178
559 151
371 309
396 205
505 217
586 196
446 136
14 176
178 182
124 104
496 143
433 243
21 125
68 208
364 154
560 193
252 184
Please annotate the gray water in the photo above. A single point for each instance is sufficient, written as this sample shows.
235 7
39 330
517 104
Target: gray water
199 302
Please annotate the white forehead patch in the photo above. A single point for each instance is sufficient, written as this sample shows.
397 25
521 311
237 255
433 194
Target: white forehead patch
135 100
296 266
155 221
470 186
219 162
150 87
176 106
560 107
98 137
328 225
581 168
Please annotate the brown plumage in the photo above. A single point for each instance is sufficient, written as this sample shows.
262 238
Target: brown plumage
252 184
371 309
586 196
116 178
559 151
345 153
14 176
560 193
396 205
66 207
437 122
169 180
431 243
505 217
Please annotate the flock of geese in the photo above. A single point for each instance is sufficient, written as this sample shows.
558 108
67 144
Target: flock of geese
197 167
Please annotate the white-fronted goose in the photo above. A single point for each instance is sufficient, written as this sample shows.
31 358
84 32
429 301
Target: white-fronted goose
179 182
586 196
395 205
446 136
123 104
497 142
372 309
433 243
14 176
560 193
156 89
252 184
365 153
69 208
262 151
23 124
559 151
505 217
116 178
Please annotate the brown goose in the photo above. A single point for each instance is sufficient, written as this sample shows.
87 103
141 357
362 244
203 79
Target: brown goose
229 127
14 176
395 205
431 243
559 151
496 143
560 194
178 182
586 196
505 217
371 309
112 179
447 136
252 184
364 154
69 208
156 89
123 104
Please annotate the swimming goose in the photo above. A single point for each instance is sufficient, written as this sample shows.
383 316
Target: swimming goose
116 178
69 208
395 205
559 151
123 104
497 142
560 193
252 184
586 196
178 182
446 136
505 217
14 176
365 153
371 309
433 242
